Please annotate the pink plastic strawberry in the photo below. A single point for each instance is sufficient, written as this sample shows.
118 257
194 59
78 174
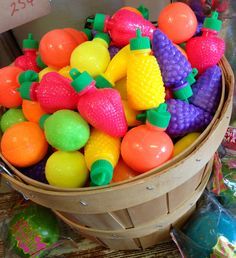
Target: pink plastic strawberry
54 92
206 50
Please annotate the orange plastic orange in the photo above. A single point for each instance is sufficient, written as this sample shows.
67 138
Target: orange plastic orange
9 96
56 46
178 22
24 144
144 148
122 172
32 110
79 36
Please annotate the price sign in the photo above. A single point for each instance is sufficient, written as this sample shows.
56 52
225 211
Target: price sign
17 12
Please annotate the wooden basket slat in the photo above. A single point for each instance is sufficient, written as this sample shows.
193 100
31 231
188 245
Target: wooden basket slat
156 237
121 244
123 217
148 211
100 221
181 193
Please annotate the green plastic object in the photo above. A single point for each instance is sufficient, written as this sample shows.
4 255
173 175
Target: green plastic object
159 117
43 119
102 82
183 93
40 62
32 230
28 76
213 22
25 90
98 21
103 36
139 42
11 117
30 42
80 80
66 130
144 11
101 172
88 33
191 77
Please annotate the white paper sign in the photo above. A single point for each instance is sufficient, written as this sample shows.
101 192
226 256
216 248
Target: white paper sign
17 12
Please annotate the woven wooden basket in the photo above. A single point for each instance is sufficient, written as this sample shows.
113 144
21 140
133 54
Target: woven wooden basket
139 212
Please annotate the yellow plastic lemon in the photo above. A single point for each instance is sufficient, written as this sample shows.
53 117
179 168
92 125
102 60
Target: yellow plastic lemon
185 142
66 169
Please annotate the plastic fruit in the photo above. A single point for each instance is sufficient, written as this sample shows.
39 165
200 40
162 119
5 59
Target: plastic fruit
101 154
145 88
178 22
92 56
113 50
102 108
185 142
147 146
65 71
130 114
173 64
24 144
28 60
66 169
186 118
66 130
56 46
206 50
9 96
122 172
32 230
132 9
53 93
37 171
121 87
207 90
32 110
116 70
122 26
11 117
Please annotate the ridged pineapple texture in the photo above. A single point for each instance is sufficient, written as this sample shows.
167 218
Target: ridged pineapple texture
174 65
101 147
145 88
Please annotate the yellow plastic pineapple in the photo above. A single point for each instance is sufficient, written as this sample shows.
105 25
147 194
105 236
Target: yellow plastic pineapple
101 153
145 89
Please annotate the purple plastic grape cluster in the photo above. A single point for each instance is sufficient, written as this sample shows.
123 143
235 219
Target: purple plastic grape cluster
173 64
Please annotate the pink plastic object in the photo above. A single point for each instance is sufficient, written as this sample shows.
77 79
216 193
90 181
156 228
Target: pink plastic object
206 50
122 26
102 108
53 93
27 61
